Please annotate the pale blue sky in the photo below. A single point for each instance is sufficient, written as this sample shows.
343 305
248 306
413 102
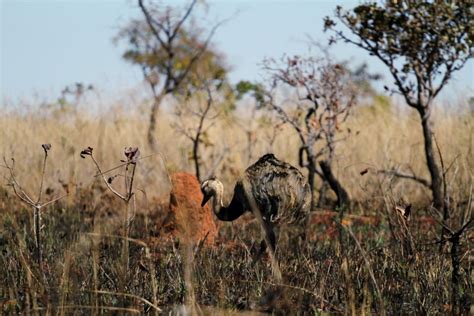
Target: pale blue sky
46 45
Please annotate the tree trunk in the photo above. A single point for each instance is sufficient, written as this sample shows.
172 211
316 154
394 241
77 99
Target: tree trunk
436 181
196 157
322 194
455 276
311 175
343 199
152 127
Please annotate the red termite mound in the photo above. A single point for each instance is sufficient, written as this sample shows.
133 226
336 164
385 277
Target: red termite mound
185 218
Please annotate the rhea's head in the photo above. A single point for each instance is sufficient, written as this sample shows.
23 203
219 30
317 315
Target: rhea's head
211 187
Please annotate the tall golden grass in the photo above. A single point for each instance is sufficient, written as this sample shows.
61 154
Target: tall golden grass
381 137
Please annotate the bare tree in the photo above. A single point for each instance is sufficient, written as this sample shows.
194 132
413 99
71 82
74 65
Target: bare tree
321 96
169 47
195 116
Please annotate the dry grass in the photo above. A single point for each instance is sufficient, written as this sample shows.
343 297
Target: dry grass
363 269
379 139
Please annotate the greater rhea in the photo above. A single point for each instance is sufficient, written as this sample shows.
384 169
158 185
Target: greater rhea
276 188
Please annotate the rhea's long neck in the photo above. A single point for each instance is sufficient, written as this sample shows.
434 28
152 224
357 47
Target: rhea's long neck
230 212
217 204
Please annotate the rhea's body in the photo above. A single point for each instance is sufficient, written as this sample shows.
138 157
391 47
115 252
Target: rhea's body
279 190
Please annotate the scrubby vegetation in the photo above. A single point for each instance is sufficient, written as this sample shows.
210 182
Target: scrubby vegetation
367 259
100 210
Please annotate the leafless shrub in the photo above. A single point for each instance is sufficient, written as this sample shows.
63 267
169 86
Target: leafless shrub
322 93
129 165
196 115
36 204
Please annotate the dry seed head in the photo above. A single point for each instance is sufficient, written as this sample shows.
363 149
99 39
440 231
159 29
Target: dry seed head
86 152
132 154
46 148
111 179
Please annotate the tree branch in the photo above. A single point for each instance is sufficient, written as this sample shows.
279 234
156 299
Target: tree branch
150 22
413 177
178 80
184 18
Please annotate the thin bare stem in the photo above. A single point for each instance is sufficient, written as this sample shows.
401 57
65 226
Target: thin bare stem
53 200
142 299
130 188
124 164
369 269
24 198
105 180
13 182
42 177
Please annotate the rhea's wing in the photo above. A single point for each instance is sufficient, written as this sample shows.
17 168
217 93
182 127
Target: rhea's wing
280 189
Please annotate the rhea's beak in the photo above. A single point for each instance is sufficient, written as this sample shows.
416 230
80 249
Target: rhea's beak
205 198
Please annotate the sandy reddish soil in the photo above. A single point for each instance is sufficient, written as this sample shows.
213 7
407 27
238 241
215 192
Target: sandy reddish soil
325 221
184 218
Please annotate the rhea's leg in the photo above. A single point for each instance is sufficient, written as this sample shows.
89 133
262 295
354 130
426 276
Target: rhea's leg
269 231
303 224
271 236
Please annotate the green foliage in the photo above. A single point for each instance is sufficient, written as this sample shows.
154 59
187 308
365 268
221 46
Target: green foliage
256 90
421 42
176 56
363 79
382 102
380 105
69 99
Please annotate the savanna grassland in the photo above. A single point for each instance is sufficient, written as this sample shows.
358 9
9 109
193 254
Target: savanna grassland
104 255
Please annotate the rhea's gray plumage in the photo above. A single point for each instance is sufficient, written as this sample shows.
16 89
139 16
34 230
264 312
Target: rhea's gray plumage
279 190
